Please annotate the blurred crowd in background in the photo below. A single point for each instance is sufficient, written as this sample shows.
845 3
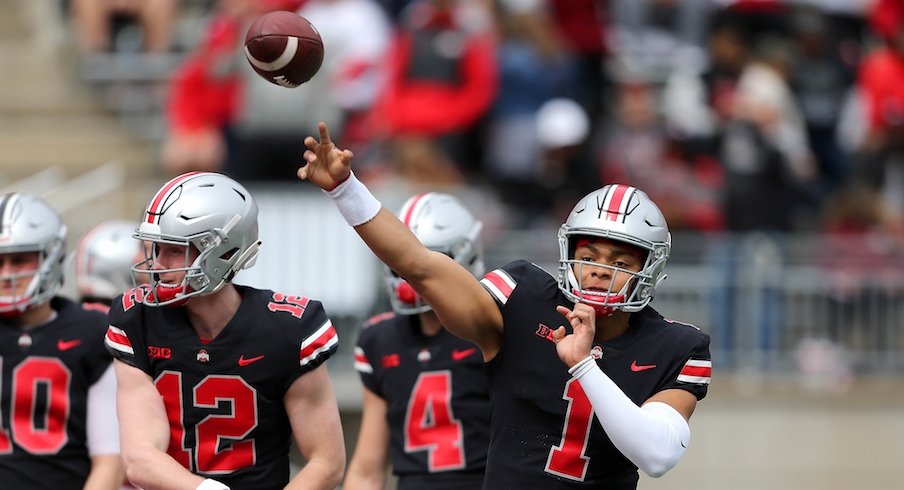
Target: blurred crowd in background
758 118
733 115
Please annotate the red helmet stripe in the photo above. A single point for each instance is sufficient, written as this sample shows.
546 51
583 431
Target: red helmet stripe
410 208
617 201
153 211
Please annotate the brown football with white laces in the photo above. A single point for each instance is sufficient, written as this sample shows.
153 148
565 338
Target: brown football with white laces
284 48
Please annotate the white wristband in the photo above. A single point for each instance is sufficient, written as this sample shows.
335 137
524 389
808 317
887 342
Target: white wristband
210 484
355 202
581 367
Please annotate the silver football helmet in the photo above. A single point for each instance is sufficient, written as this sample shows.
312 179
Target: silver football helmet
28 224
104 258
210 212
621 213
444 225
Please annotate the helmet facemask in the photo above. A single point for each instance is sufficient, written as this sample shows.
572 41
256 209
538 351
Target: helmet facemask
209 215
30 225
12 301
620 214
633 295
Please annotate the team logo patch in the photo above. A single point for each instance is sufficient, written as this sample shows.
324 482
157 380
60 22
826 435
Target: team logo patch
203 356
424 355
159 352
391 361
544 332
458 355
596 352
244 361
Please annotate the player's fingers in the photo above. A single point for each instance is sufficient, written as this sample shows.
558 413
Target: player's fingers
558 334
347 156
324 134
302 173
563 310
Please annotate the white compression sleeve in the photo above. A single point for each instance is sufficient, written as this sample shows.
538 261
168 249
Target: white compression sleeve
103 426
654 436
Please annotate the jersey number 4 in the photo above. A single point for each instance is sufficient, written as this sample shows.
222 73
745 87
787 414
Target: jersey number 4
207 456
567 459
430 424
38 427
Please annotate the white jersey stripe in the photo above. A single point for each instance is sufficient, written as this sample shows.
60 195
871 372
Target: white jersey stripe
325 347
113 344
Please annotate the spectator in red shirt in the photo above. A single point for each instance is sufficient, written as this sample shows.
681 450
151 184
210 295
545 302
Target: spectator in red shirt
441 82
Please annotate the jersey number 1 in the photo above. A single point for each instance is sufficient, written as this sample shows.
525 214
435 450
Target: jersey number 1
430 424
567 459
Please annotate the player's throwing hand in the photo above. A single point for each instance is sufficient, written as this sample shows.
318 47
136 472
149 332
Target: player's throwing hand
575 347
325 164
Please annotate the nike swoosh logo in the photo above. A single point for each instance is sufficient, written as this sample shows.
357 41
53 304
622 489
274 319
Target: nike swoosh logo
244 362
458 355
644 367
65 345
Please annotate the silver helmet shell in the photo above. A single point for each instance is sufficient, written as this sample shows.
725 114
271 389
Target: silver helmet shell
443 225
625 214
104 258
29 224
211 212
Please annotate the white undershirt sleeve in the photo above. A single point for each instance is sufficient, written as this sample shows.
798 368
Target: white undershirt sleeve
103 426
653 436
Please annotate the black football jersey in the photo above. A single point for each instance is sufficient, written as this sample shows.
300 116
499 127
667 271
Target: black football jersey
436 393
543 432
46 374
224 398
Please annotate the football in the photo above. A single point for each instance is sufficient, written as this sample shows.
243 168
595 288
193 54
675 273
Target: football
284 48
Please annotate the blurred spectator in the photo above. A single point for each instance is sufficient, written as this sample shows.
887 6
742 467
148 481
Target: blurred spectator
697 100
584 25
659 33
442 79
879 83
205 91
637 150
764 150
95 22
821 80
222 116
534 68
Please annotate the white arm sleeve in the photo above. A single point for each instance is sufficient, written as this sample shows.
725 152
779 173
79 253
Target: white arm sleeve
103 426
654 436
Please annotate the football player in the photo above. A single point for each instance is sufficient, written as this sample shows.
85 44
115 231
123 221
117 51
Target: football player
426 398
103 263
625 405
216 379
57 404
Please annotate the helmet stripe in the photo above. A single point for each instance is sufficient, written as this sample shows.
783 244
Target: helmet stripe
6 206
616 202
153 211
411 207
